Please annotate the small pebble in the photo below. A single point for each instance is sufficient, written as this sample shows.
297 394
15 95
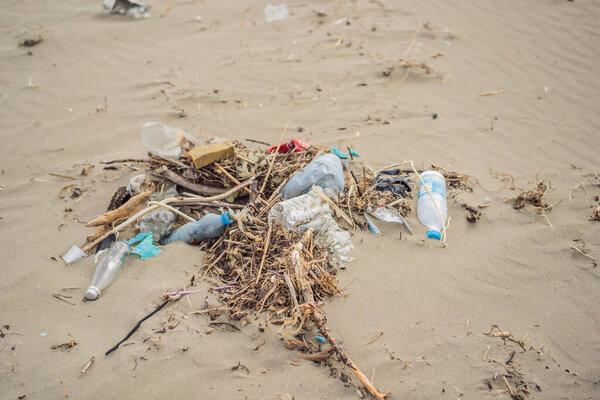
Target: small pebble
208 331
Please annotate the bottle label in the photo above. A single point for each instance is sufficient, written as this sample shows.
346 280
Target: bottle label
435 184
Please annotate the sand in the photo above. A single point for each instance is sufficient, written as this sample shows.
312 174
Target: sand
233 75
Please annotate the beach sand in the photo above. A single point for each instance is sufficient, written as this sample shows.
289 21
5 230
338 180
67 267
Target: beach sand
234 75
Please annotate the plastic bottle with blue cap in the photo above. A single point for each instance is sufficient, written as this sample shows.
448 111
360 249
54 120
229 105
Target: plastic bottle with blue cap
207 227
325 171
426 207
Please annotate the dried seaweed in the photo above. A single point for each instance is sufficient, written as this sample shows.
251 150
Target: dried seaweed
534 197
454 180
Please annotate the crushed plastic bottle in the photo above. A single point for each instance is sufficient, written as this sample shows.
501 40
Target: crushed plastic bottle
276 13
299 209
426 207
107 269
209 226
159 223
310 211
162 139
325 171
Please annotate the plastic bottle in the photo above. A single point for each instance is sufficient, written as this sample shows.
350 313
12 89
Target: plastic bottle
426 209
325 171
209 226
310 211
299 210
107 269
162 139
159 223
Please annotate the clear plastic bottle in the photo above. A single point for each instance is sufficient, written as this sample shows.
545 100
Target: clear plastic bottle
107 269
310 211
209 226
162 139
325 171
159 223
426 208
299 210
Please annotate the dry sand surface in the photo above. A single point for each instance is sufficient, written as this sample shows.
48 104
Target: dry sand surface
236 76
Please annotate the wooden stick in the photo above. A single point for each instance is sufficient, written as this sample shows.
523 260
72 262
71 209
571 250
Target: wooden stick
168 207
582 253
145 211
375 338
253 192
262 189
125 160
231 177
338 210
508 387
170 161
194 187
290 286
234 180
300 269
262 262
321 322
88 365
207 310
208 204
491 92
132 205
101 230
268 206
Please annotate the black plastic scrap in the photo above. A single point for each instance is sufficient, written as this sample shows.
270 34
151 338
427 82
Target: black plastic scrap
399 186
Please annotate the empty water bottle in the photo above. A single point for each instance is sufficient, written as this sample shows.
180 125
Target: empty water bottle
159 223
209 226
299 210
107 269
429 214
325 171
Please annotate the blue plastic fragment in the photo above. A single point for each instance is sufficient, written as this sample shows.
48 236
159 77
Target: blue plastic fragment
354 154
321 339
145 249
372 225
339 153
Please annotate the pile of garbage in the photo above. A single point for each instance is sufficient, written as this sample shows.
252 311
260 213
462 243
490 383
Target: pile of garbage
276 224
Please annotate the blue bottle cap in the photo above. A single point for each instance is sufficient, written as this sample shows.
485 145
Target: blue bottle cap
433 234
226 219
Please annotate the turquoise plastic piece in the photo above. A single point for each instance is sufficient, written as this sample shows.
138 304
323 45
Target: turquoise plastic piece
145 249
339 153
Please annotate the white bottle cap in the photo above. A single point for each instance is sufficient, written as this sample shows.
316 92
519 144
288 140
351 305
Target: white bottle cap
92 293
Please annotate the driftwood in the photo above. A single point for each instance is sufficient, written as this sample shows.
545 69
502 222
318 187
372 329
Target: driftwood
301 269
194 187
101 230
132 206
